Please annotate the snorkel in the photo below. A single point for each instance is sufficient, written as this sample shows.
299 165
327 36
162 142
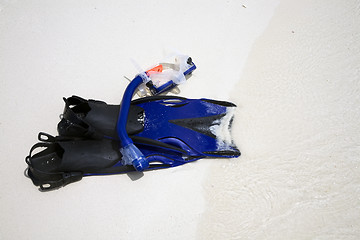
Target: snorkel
159 79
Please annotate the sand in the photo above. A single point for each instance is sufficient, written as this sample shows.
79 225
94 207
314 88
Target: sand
291 67
298 127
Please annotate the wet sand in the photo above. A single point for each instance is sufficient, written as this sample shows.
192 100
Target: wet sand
297 124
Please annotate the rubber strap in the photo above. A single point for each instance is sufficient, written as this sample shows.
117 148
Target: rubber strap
37 145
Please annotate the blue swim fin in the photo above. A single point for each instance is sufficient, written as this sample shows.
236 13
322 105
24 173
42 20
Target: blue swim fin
200 127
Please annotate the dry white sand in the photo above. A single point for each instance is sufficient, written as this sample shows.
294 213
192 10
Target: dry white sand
297 89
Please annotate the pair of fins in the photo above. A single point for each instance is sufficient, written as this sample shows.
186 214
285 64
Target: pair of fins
169 131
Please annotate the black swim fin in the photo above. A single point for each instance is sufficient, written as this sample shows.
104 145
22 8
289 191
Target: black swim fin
65 160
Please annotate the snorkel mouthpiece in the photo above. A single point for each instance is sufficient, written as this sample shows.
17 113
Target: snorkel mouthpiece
165 75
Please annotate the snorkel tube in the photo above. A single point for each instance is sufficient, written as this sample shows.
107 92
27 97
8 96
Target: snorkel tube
131 155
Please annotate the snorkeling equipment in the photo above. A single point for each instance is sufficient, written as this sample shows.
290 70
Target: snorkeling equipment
169 131
149 133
